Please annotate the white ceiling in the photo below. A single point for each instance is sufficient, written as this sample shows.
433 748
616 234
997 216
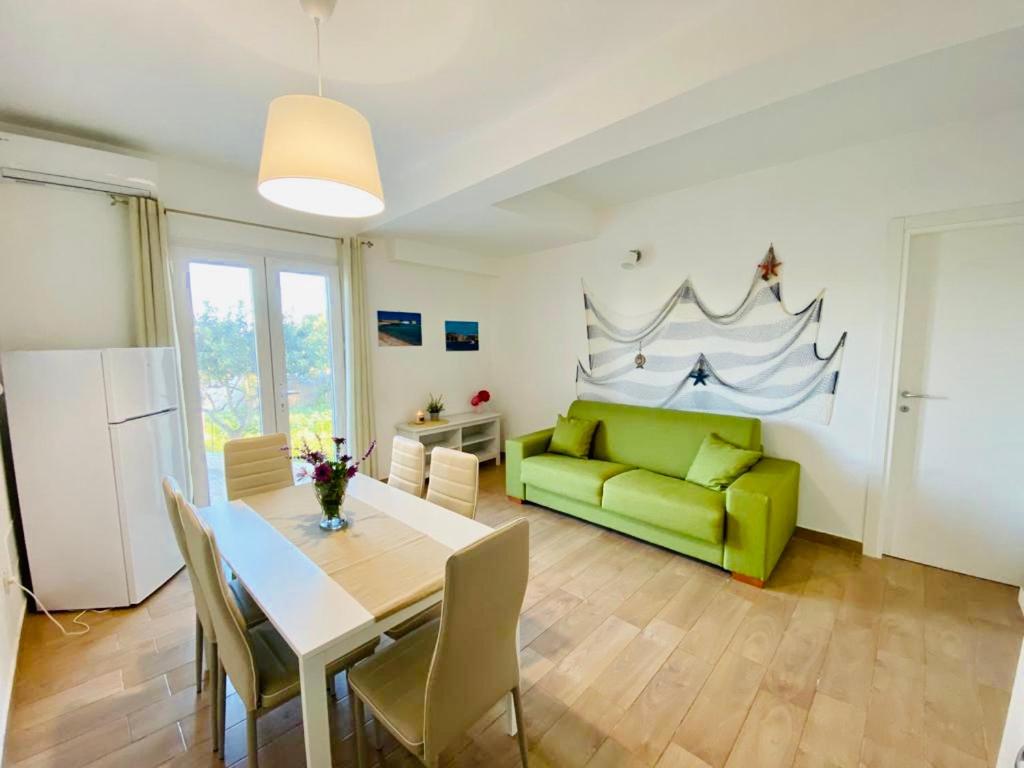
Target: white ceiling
194 77
506 125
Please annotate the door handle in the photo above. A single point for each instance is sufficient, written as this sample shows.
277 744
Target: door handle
907 395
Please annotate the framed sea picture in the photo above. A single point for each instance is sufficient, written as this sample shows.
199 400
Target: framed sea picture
461 335
399 329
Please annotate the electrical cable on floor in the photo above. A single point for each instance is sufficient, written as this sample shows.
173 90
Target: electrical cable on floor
77 620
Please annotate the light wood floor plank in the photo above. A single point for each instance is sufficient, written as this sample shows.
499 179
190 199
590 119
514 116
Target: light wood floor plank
770 734
633 657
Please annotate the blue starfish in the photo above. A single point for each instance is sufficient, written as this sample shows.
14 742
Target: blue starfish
699 376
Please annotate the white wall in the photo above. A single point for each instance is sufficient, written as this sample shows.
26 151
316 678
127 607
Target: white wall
65 269
12 608
828 217
404 376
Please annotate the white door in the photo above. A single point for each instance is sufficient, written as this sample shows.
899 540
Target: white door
261 353
145 450
958 450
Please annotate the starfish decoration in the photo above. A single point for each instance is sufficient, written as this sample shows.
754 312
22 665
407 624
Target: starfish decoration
699 376
769 265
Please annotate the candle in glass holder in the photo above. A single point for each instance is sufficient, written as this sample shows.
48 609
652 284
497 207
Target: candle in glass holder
420 417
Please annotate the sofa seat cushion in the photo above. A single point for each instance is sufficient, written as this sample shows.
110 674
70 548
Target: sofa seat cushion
668 503
579 479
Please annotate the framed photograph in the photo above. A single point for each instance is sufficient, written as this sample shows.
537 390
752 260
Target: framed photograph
461 335
399 329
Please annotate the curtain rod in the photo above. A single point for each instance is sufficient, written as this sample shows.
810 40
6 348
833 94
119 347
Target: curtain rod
251 224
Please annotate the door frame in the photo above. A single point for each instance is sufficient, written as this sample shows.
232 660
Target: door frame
269 346
880 508
275 265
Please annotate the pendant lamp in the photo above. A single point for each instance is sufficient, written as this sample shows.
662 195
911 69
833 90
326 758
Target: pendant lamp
318 154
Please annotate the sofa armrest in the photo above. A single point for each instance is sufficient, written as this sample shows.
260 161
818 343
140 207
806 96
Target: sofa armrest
517 449
760 517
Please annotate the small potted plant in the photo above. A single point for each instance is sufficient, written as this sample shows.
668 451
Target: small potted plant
478 400
434 406
330 479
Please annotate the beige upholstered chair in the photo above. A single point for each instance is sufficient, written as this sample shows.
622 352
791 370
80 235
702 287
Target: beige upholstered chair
263 669
408 465
206 638
454 484
454 480
432 685
257 464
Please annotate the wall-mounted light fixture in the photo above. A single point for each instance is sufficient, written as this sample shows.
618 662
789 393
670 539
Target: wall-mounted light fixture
634 259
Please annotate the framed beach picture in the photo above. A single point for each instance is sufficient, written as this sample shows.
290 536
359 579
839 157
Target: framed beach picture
399 329
461 335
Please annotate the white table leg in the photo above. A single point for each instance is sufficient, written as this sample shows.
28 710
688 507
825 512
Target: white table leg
315 725
510 710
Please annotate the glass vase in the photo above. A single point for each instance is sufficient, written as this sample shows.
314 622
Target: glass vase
333 515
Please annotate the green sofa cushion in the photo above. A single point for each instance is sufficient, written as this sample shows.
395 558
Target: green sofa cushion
719 463
658 439
580 479
572 437
668 503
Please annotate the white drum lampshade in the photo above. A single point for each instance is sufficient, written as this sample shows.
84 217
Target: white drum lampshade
318 157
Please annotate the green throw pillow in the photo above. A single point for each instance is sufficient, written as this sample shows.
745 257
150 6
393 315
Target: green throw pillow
719 463
572 437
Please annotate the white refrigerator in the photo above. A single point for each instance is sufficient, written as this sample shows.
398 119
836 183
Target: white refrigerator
92 434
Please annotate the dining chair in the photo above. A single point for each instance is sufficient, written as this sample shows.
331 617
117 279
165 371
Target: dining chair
454 485
262 668
454 480
206 638
257 464
430 687
408 465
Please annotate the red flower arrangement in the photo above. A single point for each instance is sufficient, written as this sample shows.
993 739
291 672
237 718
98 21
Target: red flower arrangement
479 398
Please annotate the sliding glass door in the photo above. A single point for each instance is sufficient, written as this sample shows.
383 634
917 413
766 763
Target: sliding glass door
261 353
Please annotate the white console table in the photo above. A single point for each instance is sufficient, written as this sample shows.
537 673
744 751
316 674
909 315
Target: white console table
476 432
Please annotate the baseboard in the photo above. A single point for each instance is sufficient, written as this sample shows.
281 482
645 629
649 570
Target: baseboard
8 695
829 539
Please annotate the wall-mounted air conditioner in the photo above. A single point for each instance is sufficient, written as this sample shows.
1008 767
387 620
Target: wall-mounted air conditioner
24 158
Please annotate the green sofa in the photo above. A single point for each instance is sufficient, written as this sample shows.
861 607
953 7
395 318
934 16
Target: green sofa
634 482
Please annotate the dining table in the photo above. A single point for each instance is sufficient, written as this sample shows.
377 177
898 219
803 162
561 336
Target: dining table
327 593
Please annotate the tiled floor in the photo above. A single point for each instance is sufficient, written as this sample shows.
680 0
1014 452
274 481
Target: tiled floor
632 656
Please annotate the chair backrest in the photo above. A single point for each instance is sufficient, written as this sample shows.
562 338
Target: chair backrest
257 464
233 647
172 492
408 462
476 660
454 480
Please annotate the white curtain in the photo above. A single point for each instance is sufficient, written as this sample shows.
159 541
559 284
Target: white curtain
148 230
358 351
154 309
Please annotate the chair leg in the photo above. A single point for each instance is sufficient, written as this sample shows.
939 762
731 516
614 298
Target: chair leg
252 742
222 696
199 656
359 734
520 726
378 737
214 665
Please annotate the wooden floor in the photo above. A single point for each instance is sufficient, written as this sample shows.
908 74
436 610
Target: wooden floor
632 656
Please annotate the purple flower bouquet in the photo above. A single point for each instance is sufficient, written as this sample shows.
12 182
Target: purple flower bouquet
330 478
